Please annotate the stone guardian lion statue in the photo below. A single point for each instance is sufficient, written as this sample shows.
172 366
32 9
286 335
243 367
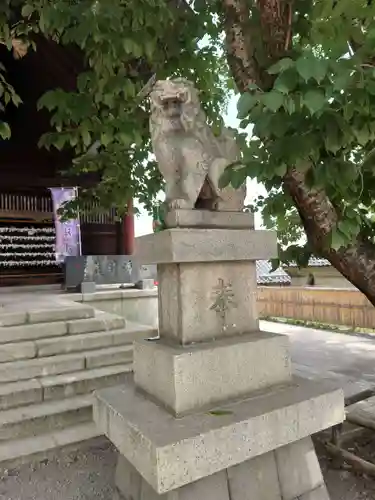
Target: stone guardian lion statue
190 158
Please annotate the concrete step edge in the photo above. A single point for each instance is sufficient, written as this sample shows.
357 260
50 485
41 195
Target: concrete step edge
66 378
10 319
80 343
73 359
23 450
64 312
48 347
6 332
101 322
60 387
95 324
22 414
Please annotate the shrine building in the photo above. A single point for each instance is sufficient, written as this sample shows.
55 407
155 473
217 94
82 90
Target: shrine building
27 226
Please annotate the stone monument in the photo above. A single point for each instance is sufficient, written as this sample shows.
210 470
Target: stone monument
213 412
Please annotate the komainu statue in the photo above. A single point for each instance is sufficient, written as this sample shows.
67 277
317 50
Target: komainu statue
191 159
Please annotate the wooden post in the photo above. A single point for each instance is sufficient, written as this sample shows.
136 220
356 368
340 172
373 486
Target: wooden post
128 230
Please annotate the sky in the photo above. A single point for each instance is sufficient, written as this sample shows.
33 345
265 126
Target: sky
143 222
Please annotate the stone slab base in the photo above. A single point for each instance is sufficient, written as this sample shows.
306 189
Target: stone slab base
173 452
185 379
205 245
288 473
208 219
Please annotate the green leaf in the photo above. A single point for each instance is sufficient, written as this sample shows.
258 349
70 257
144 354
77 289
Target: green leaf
338 240
273 100
27 10
286 82
220 413
362 135
314 100
277 125
253 86
281 170
311 67
150 47
342 79
289 105
348 227
16 99
128 45
86 137
124 138
5 131
105 139
48 100
332 138
303 68
261 127
245 104
281 66
238 177
225 179
253 168
60 141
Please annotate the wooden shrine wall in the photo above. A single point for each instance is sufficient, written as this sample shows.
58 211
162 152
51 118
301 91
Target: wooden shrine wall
27 171
27 237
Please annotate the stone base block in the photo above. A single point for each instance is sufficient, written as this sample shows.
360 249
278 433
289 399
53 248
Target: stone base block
298 469
205 245
209 219
172 452
200 375
255 479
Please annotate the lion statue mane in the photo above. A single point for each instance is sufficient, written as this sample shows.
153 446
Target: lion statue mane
190 158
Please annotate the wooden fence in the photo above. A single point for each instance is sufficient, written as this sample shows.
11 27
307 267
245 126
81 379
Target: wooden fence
334 306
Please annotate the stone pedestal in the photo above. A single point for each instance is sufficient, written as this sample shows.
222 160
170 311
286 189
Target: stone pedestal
214 412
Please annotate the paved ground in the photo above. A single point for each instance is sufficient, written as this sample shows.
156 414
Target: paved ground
317 354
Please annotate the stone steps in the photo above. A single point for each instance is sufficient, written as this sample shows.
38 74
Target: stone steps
61 386
61 414
51 361
27 353
95 340
84 382
22 316
35 331
50 412
68 363
23 450
34 420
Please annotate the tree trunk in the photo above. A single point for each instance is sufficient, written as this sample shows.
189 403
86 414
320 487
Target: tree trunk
356 261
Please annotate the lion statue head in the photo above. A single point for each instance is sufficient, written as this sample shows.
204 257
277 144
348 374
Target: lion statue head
175 106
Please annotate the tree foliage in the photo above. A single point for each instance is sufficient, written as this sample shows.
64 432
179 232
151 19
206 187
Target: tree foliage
122 44
316 114
306 73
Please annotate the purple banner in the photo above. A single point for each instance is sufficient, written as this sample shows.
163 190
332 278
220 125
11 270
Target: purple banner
68 233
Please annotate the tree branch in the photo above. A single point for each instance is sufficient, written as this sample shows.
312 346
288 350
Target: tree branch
244 68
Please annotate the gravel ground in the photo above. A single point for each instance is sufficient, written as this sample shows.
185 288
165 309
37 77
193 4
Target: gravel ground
88 475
